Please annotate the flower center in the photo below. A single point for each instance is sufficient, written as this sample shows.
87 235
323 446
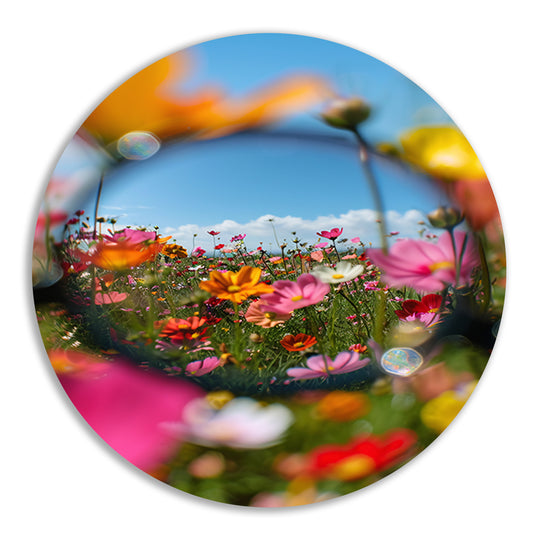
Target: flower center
441 265
234 288
337 276
298 344
297 298
270 315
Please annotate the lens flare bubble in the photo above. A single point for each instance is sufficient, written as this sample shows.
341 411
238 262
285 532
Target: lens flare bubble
138 145
401 361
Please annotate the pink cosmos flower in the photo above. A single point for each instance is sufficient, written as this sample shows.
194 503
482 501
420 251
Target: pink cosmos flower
321 366
199 368
317 256
426 266
133 236
332 235
111 297
356 240
321 245
126 407
291 295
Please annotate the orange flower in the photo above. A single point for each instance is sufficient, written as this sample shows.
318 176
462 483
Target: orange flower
148 101
121 254
342 406
174 250
236 286
297 343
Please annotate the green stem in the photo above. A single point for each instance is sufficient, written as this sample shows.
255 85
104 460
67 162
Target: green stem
374 190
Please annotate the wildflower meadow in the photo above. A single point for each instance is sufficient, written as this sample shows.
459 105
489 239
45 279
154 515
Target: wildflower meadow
275 330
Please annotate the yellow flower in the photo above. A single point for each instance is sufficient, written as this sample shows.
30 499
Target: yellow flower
438 413
236 286
443 152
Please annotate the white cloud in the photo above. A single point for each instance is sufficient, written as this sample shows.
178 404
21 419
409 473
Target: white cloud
359 223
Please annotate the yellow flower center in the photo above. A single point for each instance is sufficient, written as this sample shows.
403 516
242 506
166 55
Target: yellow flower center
298 344
354 467
234 288
330 368
297 298
440 265
270 315
337 276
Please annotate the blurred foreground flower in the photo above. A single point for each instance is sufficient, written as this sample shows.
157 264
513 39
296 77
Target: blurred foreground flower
239 423
149 101
265 319
126 407
442 152
123 250
343 406
363 456
439 412
425 266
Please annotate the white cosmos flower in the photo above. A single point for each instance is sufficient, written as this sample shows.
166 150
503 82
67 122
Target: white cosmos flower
344 271
241 423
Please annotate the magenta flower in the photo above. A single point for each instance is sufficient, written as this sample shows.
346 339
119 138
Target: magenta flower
331 235
198 252
426 266
127 407
238 237
290 295
199 368
321 366
133 236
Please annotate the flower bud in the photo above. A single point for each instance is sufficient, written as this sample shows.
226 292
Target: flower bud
346 113
445 217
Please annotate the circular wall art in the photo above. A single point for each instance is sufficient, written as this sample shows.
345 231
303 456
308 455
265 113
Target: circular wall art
268 270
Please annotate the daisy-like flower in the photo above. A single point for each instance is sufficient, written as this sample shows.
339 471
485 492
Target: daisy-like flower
297 343
236 286
344 271
321 366
290 295
265 319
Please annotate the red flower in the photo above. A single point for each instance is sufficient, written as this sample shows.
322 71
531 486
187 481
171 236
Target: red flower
185 332
213 232
425 310
363 456
297 343
219 246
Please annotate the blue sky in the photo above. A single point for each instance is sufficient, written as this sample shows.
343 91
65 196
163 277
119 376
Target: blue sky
301 172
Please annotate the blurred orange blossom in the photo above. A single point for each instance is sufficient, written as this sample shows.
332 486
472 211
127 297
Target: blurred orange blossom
149 101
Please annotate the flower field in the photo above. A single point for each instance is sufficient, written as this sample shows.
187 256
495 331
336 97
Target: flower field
271 376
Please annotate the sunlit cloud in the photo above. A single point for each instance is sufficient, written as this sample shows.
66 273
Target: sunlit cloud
268 230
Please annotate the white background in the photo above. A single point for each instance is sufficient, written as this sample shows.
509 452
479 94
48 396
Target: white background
60 58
